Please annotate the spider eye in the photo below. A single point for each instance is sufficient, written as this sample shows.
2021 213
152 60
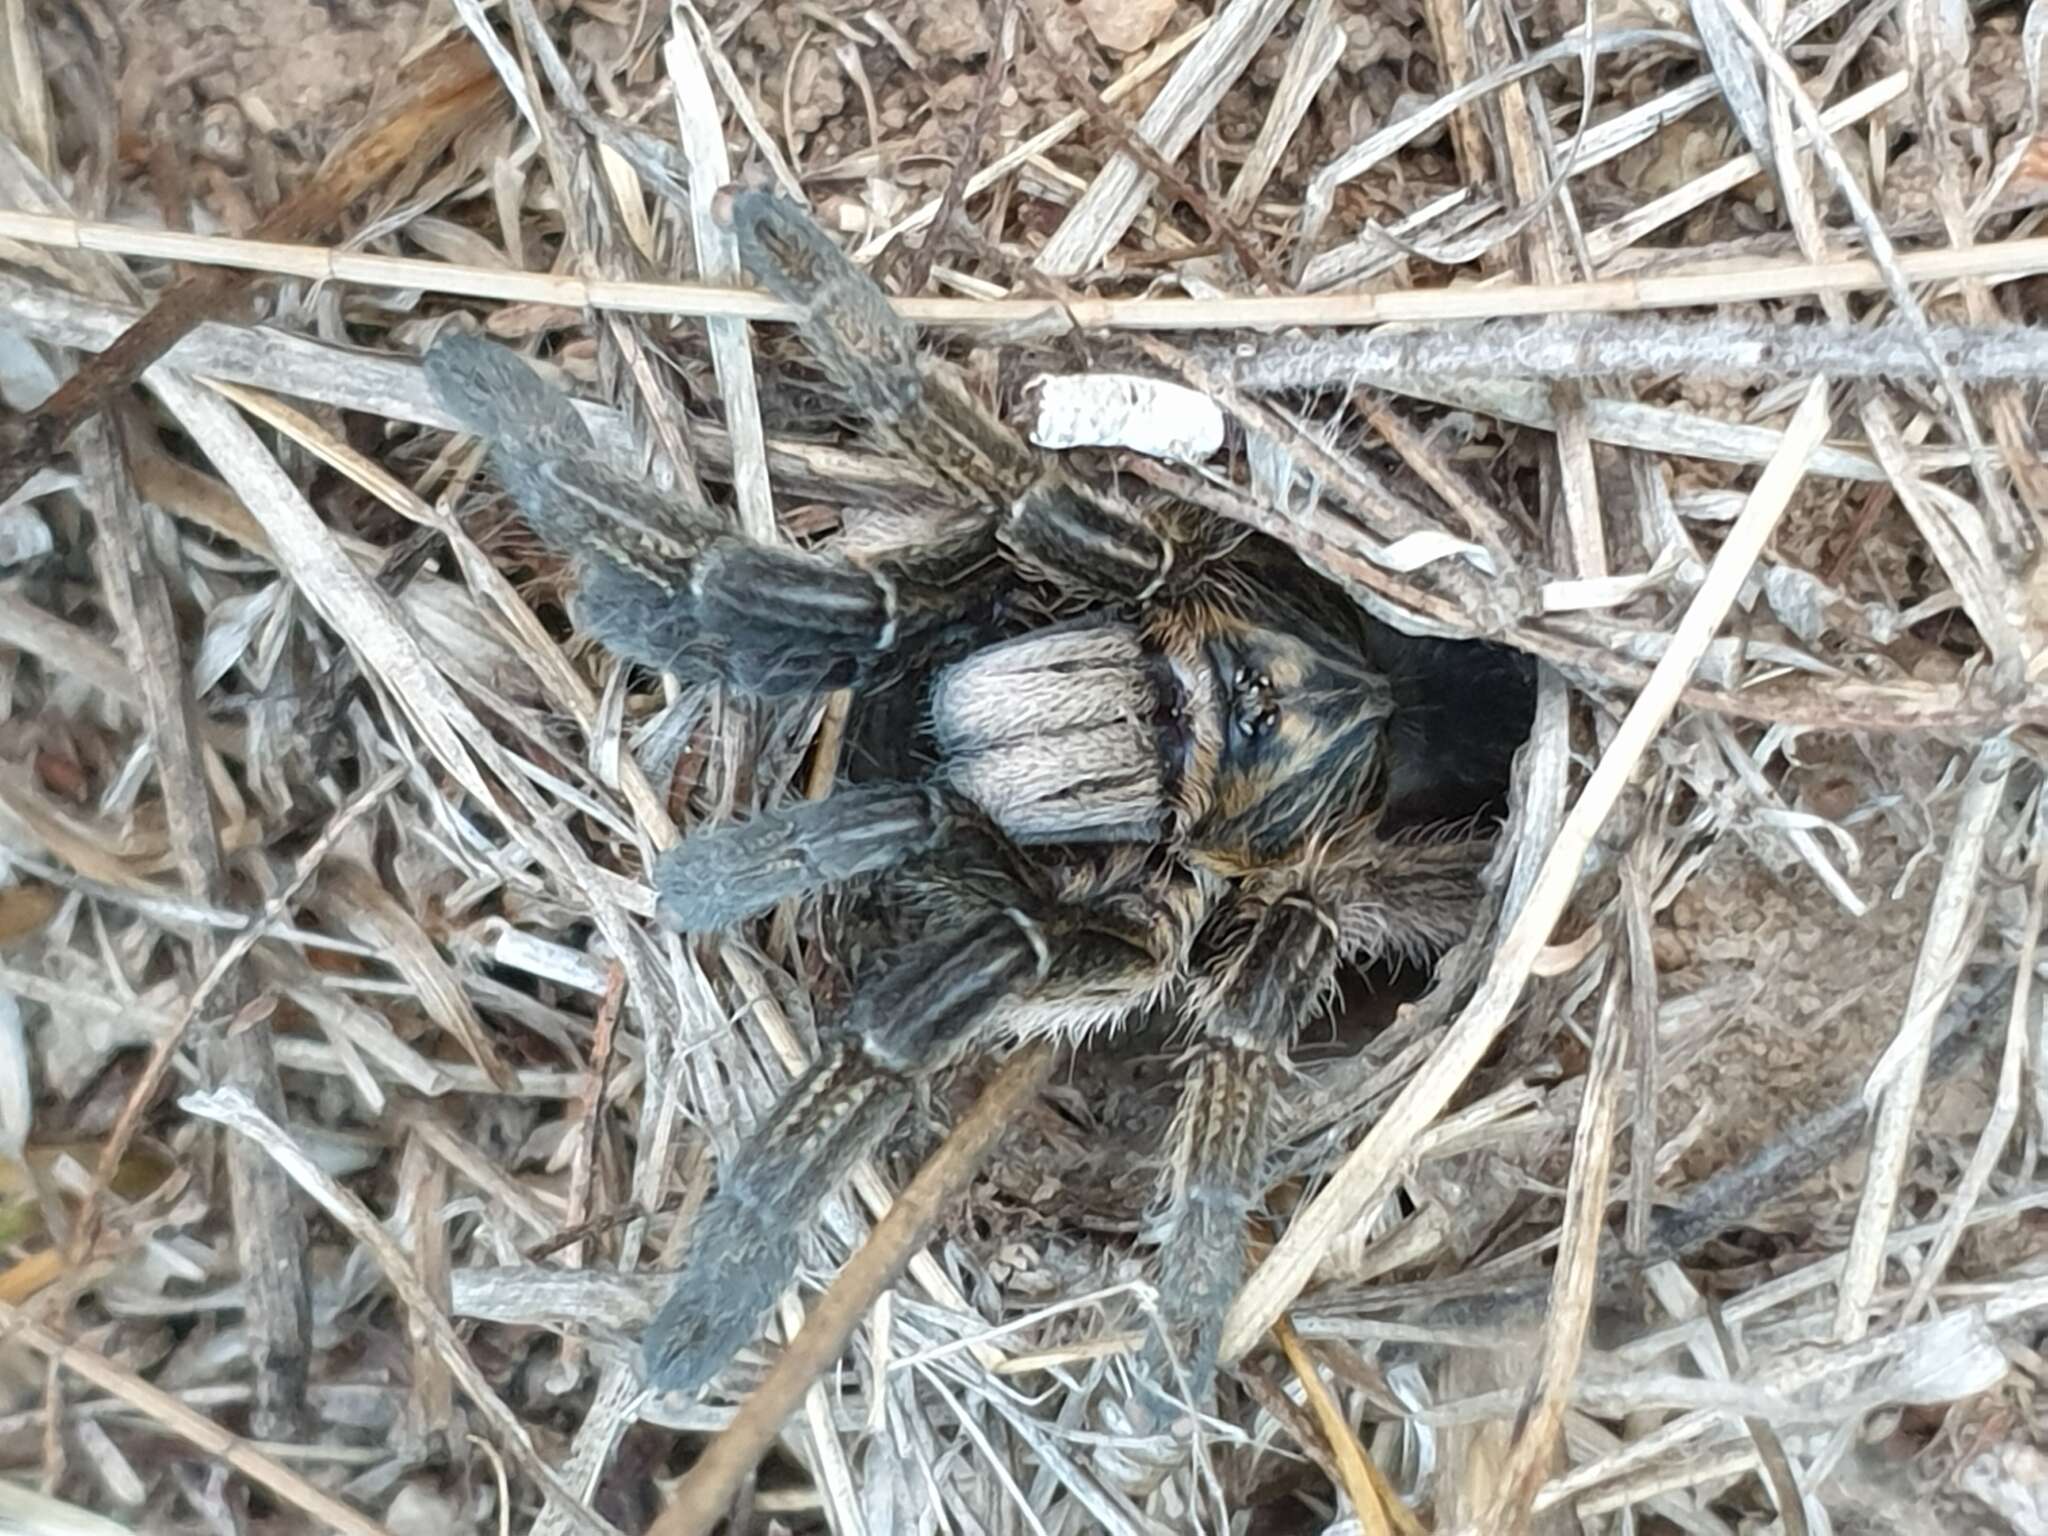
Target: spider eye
1255 717
1253 714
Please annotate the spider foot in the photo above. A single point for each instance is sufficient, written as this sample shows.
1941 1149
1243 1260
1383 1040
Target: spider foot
740 1258
492 392
745 1245
1218 1143
869 351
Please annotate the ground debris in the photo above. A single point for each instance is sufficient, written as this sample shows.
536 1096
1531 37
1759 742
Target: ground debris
327 827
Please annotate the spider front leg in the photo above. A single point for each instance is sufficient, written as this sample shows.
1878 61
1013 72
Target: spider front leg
663 587
1046 521
1263 966
999 974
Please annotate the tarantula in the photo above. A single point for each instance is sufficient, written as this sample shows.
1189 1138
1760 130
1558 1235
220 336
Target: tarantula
1205 787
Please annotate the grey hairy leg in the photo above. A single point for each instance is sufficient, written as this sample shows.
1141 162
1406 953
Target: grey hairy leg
1261 968
632 551
789 622
929 1007
793 621
495 394
773 622
1086 541
673 591
582 506
857 337
723 875
1047 522
1407 899
917 1010
646 620
992 973
745 1244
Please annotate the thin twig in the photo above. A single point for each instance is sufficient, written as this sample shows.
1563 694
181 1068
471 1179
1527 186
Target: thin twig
589 1111
1119 190
1711 286
233 1109
1221 226
144 1093
1574 1282
161 1408
269 1234
447 88
1574 347
1356 1473
732 346
1900 1077
968 161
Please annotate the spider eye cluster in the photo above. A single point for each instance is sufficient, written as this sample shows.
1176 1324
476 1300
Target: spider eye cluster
1254 711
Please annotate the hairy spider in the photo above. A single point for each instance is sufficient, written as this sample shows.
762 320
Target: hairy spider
1203 786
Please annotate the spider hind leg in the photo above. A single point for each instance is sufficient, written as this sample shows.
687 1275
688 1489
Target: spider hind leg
746 1243
915 1012
990 972
1260 968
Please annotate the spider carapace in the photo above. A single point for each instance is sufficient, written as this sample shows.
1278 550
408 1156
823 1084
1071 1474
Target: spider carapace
1160 765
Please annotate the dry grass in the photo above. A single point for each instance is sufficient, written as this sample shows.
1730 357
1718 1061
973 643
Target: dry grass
353 1102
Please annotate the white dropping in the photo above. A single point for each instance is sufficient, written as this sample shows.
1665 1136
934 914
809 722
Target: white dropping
17 1093
1122 410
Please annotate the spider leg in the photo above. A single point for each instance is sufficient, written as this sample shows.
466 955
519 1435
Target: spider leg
995 973
1258 969
793 621
721 875
494 395
579 504
680 593
746 1242
1261 967
1047 522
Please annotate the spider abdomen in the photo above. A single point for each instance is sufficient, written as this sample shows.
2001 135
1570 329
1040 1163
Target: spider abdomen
1054 735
